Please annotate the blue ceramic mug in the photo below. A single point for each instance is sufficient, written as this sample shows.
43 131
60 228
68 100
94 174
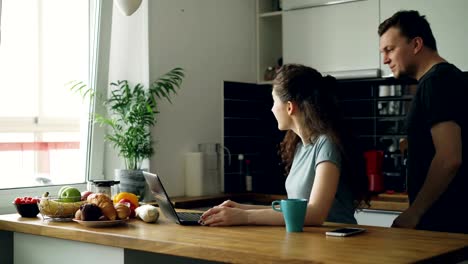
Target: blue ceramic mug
294 212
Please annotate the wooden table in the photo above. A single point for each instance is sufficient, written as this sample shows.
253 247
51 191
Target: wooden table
257 244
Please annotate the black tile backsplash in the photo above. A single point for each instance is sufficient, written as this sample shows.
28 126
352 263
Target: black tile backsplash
250 128
357 108
243 127
375 110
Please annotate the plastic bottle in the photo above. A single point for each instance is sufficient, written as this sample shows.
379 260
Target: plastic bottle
248 176
241 183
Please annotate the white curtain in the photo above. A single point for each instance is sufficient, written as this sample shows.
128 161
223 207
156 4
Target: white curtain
0 21
100 80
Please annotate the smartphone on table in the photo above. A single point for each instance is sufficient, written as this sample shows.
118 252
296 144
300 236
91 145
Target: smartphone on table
346 231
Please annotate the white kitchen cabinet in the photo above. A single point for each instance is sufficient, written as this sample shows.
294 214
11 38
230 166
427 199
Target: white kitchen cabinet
449 23
376 217
46 250
336 37
298 4
269 36
21 248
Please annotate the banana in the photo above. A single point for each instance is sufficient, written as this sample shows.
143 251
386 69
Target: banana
52 208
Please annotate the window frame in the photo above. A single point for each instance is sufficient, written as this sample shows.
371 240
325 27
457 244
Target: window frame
100 31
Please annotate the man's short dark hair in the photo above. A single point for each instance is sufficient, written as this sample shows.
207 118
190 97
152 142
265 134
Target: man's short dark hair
411 25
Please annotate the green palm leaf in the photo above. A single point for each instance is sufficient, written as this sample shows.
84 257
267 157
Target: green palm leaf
131 112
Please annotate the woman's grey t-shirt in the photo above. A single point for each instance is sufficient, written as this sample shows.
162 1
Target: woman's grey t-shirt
302 174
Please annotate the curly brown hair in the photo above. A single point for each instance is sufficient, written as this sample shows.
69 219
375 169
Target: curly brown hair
316 99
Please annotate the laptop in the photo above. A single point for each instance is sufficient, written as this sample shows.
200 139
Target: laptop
165 204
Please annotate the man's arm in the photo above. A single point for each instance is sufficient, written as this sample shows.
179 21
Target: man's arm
446 137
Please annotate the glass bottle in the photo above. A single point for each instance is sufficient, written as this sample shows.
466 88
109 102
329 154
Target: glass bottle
248 176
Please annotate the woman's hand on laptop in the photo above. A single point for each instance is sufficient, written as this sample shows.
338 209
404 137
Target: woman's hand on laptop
231 204
224 216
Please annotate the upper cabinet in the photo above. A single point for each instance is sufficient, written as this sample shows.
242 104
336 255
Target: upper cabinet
333 37
298 4
269 38
341 36
448 21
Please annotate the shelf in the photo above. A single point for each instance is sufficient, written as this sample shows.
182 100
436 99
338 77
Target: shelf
270 14
242 100
260 137
378 81
395 98
243 153
269 22
241 118
383 136
265 82
359 118
391 118
380 99
379 118
356 100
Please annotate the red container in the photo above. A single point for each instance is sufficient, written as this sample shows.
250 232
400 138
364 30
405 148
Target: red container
374 161
27 210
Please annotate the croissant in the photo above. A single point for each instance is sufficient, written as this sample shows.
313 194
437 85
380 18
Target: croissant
123 211
78 214
105 203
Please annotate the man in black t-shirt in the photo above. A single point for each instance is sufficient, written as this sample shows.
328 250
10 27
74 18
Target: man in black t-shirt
437 127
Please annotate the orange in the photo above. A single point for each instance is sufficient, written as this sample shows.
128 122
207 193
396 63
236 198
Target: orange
126 195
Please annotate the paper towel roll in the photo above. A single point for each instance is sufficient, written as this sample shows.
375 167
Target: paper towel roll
194 171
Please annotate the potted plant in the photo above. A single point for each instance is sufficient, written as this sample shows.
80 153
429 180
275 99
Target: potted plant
131 113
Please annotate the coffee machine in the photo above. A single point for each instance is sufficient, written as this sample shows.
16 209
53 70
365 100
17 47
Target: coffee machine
394 165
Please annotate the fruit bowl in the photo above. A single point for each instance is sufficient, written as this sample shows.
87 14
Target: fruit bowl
54 208
27 210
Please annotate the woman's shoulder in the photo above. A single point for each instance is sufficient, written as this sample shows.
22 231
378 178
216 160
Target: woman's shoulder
327 150
324 142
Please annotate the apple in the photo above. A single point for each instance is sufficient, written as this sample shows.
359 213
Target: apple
85 194
61 190
70 195
128 203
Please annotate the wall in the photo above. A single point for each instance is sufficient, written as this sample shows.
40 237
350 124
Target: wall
213 40
128 61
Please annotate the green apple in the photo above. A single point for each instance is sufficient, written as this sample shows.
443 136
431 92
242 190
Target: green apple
70 195
61 190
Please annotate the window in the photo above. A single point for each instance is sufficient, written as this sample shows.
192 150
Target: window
43 125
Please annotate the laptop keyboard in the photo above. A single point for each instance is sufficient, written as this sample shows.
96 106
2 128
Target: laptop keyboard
189 216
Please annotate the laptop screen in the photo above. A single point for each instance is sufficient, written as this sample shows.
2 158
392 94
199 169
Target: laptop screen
165 204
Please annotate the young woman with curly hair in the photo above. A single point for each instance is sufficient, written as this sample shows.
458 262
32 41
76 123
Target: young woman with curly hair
317 151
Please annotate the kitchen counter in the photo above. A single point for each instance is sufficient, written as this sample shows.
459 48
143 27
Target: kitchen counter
389 202
250 244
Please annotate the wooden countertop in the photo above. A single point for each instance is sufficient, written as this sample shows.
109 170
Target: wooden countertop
389 202
258 244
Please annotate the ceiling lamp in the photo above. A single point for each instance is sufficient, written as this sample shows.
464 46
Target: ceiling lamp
128 7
